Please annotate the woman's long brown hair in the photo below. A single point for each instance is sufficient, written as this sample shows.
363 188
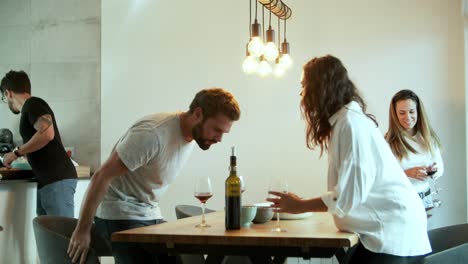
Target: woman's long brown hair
326 89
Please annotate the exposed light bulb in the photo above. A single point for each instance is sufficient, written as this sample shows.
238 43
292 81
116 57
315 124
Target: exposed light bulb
255 47
286 61
271 51
279 70
264 68
250 65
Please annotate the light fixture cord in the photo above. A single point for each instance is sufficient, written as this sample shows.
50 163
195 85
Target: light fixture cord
250 18
256 5
285 30
279 34
269 23
263 23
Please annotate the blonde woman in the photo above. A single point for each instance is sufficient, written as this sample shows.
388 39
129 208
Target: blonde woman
414 143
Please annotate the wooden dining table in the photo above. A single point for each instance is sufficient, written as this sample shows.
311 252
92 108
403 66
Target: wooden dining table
313 237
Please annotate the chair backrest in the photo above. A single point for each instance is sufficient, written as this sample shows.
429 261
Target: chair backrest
448 237
449 245
184 210
53 236
455 255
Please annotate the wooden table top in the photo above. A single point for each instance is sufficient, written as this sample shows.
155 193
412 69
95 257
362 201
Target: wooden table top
317 230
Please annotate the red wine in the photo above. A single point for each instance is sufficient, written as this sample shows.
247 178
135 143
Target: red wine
430 173
203 197
233 216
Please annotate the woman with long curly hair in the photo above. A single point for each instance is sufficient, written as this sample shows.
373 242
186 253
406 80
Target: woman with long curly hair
414 143
368 192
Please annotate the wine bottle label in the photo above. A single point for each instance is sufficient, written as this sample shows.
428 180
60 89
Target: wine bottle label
233 190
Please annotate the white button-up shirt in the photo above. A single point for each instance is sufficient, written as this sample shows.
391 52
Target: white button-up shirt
423 157
369 193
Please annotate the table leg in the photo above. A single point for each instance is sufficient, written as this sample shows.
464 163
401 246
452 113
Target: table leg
343 256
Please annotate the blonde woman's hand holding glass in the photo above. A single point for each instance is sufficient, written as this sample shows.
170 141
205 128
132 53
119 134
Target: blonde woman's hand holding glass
418 173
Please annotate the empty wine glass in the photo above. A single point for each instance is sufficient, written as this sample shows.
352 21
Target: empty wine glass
242 182
278 184
203 192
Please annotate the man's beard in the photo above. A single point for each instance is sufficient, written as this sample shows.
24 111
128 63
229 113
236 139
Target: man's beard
10 105
197 132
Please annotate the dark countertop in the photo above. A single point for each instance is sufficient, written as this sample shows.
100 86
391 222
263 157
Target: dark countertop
21 176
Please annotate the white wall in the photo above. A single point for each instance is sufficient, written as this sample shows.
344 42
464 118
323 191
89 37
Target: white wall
157 54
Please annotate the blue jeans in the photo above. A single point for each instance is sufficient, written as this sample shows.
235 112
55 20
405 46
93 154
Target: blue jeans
128 253
57 198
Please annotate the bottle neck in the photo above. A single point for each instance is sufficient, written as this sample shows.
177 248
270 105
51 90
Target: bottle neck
233 170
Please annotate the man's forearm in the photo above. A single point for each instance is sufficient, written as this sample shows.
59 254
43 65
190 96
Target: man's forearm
100 181
37 141
94 195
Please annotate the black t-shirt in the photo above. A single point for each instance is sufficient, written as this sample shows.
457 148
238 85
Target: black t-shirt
50 163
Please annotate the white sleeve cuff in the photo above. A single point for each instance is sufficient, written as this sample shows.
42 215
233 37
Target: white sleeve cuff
329 199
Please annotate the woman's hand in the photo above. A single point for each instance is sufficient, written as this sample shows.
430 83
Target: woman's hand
287 202
418 173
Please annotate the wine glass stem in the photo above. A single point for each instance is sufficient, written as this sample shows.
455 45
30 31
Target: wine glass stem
277 221
203 214
436 190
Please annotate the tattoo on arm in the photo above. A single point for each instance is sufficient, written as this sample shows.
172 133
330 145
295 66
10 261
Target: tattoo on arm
43 123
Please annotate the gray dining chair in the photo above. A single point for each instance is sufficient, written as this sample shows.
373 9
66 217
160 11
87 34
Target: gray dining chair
53 236
449 245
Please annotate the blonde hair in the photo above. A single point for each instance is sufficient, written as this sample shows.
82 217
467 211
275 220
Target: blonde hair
395 135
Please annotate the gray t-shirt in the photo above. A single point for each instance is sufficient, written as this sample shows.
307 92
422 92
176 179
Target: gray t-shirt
154 151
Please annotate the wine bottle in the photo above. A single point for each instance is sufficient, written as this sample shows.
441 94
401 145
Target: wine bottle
233 195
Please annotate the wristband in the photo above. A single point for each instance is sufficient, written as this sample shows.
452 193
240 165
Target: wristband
17 153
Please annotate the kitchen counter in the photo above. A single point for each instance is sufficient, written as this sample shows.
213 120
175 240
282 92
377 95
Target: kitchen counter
21 176
17 210
15 174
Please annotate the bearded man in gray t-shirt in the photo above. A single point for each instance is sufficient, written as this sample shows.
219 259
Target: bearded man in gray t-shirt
124 192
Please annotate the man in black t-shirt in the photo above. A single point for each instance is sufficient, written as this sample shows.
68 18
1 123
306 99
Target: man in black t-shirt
54 171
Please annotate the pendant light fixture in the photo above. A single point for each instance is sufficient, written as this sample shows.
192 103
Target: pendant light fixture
264 68
259 55
255 46
279 68
285 59
250 64
271 50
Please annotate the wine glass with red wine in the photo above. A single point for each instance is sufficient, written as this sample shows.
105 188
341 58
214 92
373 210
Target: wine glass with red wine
203 192
431 171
